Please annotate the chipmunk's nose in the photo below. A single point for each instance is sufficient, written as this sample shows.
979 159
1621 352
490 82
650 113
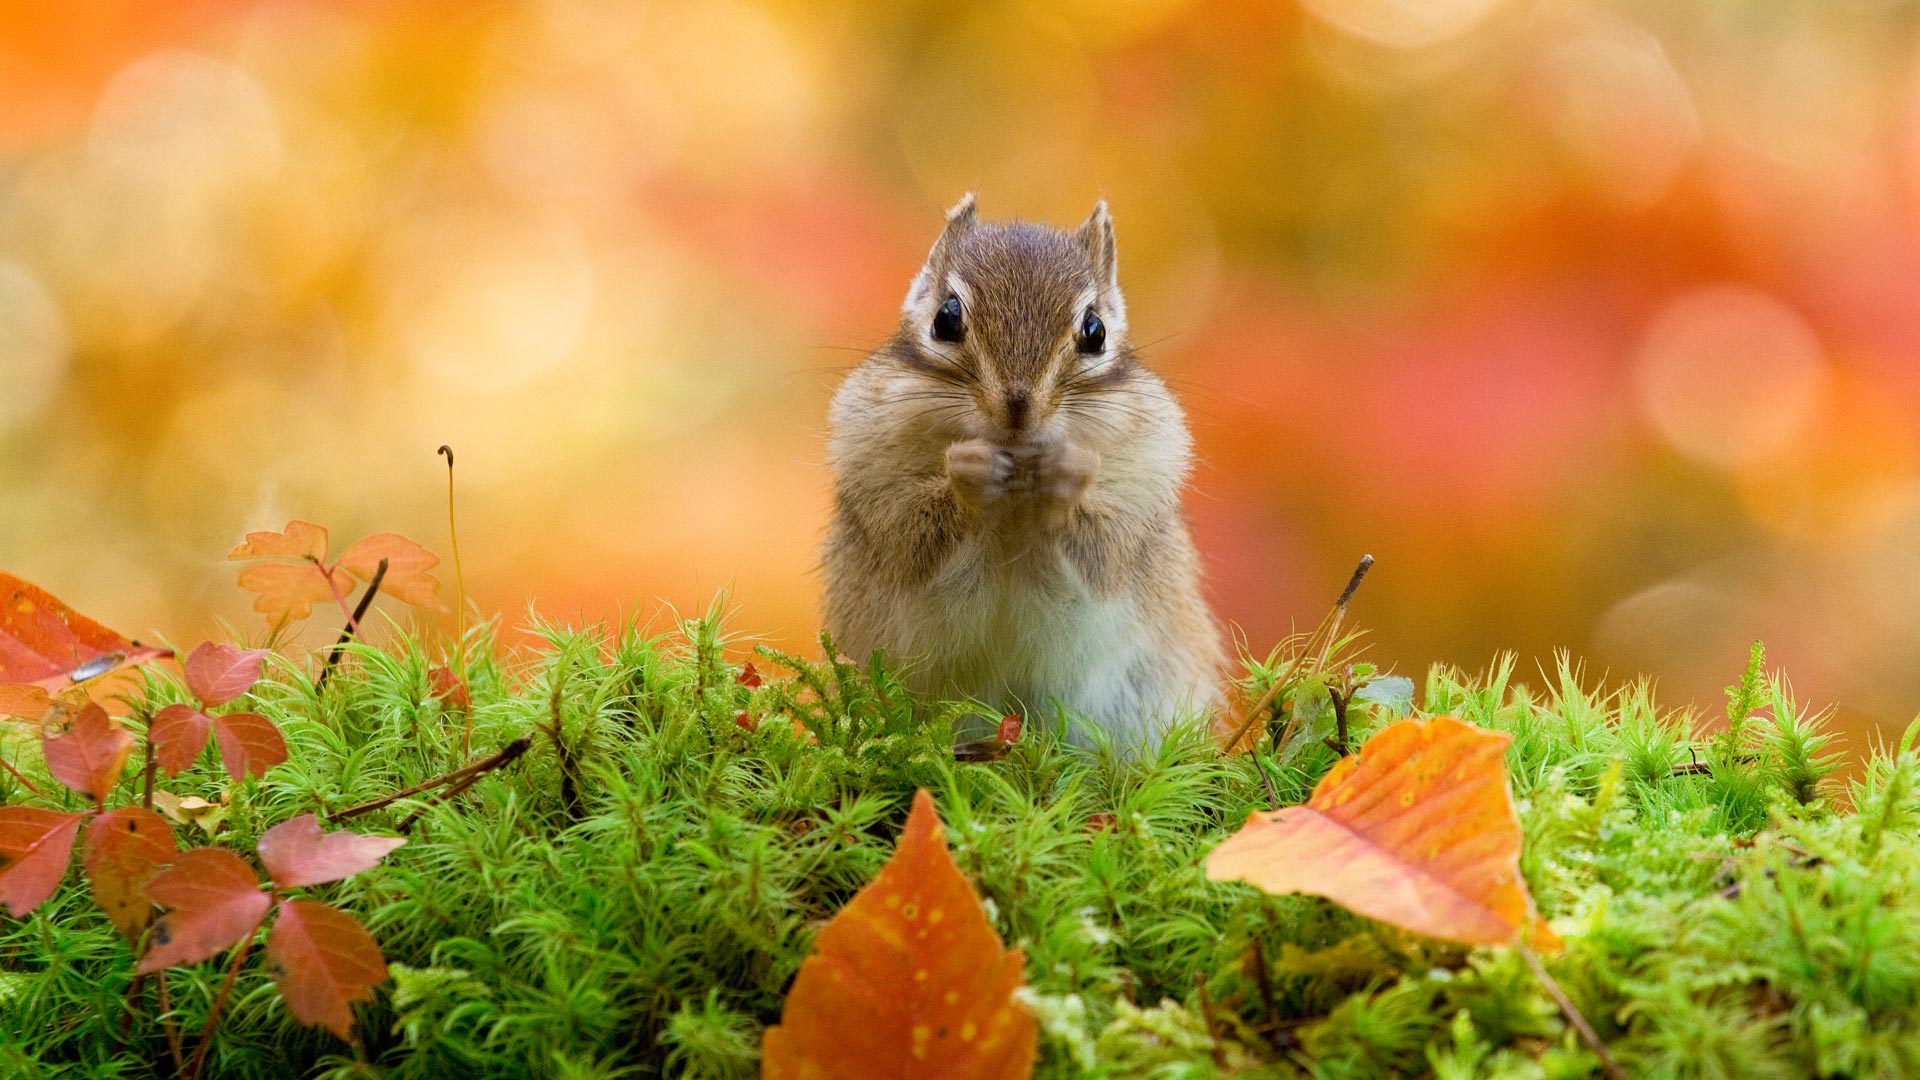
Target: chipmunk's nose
1017 406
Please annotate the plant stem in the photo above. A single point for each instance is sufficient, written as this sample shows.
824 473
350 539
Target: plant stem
24 782
165 1000
460 610
353 624
1574 1018
219 1002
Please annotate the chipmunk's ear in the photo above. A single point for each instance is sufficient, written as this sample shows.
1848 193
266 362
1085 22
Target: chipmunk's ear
926 283
1096 236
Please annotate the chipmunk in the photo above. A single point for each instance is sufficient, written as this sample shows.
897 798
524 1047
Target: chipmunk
1007 511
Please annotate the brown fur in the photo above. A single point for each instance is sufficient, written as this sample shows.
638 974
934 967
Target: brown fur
1007 519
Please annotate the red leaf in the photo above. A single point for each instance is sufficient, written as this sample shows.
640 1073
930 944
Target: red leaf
34 847
176 737
746 721
301 540
407 565
48 644
123 850
89 754
287 591
1010 726
449 687
219 673
297 853
215 902
249 744
748 677
323 961
908 980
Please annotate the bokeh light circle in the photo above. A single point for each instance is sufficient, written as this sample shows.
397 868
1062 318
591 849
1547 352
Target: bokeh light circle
33 346
1729 375
1403 24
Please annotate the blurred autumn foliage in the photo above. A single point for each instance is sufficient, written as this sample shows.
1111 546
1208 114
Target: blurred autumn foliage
1595 322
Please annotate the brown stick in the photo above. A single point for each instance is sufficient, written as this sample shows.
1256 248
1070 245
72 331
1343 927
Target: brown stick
463 776
1574 1018
353 625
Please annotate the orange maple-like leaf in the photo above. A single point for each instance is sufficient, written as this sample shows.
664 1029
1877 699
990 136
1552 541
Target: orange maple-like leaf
1416 830
299 540
408 564
909 980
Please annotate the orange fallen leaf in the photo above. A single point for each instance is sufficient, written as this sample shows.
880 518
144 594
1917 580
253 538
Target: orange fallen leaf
47 644
909 980
1416 830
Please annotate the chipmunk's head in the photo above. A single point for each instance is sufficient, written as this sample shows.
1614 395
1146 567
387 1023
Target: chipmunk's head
1021 327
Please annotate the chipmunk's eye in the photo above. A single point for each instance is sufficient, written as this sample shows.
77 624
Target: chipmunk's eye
1093 333
946 322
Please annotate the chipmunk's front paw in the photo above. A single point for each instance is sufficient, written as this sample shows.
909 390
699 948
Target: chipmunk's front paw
979 471
1064 471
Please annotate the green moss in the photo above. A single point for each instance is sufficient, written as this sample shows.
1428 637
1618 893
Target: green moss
634 895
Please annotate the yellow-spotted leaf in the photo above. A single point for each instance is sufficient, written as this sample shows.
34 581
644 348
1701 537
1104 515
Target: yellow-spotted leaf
909 980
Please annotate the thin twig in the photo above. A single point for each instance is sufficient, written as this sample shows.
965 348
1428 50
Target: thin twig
1572 1013
353 625
505 755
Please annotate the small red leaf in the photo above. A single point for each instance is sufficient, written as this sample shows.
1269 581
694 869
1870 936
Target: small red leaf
176 736
748 676
34 847
408 564
323 961
89 754
215 902
746 721
218 673
297 853
1010 726
301 540
449 687
123 850
249 744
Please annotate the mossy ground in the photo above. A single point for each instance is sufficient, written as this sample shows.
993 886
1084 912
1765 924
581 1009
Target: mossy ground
639 905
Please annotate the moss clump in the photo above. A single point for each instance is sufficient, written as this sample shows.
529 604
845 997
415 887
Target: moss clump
633 897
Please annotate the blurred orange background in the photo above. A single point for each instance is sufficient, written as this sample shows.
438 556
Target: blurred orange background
1597 323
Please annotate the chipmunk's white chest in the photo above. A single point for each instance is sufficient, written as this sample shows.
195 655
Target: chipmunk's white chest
1021 630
